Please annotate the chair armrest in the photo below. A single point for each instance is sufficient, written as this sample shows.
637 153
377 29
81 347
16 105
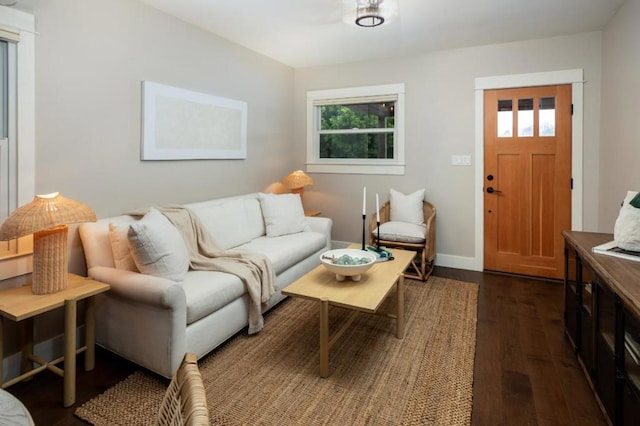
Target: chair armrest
430 241
141 288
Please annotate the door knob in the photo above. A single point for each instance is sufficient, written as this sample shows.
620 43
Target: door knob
490 190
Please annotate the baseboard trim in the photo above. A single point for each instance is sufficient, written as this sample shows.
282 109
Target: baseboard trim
446 260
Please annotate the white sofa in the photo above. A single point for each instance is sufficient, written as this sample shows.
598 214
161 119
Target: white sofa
153 321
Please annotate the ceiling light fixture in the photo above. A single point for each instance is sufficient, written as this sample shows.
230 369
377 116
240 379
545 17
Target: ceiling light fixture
369 13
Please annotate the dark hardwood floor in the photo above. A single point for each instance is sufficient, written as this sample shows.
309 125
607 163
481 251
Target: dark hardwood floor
525 370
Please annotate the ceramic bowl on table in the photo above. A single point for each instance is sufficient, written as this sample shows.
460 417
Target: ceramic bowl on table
348 262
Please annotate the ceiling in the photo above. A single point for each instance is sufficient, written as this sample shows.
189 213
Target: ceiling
303 33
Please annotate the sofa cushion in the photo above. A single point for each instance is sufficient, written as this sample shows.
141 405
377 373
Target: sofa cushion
286 250
283 214
119 239
407 208
231 222
158 248
208 291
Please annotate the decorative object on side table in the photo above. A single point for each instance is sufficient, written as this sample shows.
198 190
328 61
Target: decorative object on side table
296 181
348 263
46 217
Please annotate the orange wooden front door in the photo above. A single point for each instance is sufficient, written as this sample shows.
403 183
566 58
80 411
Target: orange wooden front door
527 182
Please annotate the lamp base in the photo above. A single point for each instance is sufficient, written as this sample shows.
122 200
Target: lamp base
50 260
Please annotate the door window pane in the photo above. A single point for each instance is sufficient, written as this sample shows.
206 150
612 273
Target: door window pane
547 117
525 117
505 118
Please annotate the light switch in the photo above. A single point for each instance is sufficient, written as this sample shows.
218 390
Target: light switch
460 160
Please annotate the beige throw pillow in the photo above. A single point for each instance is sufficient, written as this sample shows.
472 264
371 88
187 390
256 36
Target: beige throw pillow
120 247
158 248
283 214
407 208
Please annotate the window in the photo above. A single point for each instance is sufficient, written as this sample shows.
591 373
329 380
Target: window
356 130
17 124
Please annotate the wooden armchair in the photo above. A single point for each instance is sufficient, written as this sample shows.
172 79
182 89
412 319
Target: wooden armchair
185 402
422 266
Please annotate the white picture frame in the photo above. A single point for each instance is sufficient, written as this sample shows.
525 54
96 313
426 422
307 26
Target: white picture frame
180 124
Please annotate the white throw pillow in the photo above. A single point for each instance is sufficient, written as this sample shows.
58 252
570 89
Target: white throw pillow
407 208
402 232
283 214
158 248
626 231
118 236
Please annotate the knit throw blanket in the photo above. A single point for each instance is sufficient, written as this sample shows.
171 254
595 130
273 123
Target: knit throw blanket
254 269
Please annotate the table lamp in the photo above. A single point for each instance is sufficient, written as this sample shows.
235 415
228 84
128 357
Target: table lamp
46 217
296 181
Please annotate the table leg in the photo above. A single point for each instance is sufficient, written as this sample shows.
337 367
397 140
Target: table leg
90 334
26 344
400 312
70 310
324 338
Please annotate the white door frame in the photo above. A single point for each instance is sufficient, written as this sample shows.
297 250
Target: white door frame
573 77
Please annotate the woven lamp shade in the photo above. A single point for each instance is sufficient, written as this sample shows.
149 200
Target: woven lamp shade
297 179
46 217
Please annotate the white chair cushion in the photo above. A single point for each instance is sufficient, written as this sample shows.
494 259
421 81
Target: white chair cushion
402 232
283 214
158 248
407 208
118 237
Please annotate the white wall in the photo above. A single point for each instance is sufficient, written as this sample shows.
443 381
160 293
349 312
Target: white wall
440 123
91 57
620 146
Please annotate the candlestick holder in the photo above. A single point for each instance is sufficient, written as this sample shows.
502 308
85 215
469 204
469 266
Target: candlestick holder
378 237
364 217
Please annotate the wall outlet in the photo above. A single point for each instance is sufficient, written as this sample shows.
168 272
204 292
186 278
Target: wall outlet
460 160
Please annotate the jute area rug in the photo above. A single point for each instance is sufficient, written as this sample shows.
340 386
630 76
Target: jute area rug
376 379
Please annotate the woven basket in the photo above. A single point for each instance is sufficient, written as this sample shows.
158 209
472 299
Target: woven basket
50 260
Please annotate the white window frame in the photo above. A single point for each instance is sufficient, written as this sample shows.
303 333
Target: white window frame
364 94
18 25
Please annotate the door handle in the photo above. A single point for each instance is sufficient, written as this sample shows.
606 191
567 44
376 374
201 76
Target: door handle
490 190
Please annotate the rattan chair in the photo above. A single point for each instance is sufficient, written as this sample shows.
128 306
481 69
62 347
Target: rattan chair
185 402
422 265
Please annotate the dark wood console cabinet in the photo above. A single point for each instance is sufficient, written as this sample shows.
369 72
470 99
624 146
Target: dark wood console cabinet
602 322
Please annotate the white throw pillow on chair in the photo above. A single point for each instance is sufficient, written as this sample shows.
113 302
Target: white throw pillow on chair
407 208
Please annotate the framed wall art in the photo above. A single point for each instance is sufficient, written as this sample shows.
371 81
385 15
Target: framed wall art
179 124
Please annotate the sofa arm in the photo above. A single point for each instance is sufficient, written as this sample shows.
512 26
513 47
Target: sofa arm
322 225
141 288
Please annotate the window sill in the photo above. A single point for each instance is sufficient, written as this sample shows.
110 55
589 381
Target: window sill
358 169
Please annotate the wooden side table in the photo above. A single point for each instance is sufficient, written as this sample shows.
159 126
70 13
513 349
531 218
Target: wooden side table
21 305
312 213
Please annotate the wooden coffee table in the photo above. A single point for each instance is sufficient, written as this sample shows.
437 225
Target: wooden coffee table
364 296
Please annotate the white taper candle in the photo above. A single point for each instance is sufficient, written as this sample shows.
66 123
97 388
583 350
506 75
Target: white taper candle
364 201
377 209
